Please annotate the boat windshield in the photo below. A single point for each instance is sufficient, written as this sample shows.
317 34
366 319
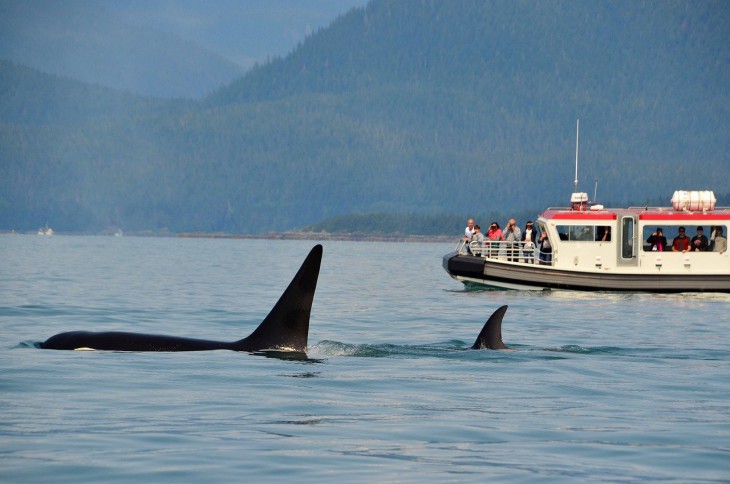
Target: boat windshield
584 233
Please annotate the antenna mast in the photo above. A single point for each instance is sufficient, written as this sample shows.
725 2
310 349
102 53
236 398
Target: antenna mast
577 130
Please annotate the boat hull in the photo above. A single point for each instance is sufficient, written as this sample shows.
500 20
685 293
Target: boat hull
472 270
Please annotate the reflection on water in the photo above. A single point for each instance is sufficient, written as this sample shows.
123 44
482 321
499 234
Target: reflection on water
287 355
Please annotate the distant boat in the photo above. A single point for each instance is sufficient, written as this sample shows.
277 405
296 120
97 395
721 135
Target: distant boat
45 230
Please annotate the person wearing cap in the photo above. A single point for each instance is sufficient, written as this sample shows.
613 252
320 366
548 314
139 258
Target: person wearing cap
529 237
699 242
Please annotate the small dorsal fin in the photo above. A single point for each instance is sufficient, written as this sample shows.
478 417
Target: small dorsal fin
491 335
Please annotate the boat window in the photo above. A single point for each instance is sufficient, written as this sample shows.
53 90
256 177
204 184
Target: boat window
712 232
627 240
603 233
591 233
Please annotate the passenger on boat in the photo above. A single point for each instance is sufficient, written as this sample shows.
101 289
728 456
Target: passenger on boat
680 242
529 236
699 242
477 240
512 235
606 234
719 243
657 241
468 233
469 230
495 236
546 250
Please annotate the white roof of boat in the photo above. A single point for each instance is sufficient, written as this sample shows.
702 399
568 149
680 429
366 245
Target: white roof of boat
643 213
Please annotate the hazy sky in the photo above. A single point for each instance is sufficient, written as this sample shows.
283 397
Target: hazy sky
167 48
243 31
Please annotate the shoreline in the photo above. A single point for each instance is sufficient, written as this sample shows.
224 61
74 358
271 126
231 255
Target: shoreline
353 237
324 236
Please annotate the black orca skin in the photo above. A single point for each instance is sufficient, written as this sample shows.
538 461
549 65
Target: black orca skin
286 327
491 335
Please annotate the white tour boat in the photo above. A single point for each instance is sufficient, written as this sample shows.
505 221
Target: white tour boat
600 249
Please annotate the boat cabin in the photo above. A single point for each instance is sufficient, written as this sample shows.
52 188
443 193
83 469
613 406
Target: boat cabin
592 238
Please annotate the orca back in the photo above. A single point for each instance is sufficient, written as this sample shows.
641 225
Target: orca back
286 327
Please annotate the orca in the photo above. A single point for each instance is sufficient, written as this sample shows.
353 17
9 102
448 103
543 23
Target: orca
286 327
490 336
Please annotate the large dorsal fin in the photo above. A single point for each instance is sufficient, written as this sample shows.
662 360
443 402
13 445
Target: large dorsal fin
287 325
491 334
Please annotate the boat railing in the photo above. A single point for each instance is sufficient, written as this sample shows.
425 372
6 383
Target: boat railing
520 251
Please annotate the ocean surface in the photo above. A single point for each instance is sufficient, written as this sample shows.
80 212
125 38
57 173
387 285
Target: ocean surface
607 387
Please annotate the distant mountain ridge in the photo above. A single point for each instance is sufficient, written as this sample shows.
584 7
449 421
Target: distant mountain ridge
400 107
33 98
81 39
169 49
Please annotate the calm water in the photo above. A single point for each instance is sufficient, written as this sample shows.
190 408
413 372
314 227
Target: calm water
608 387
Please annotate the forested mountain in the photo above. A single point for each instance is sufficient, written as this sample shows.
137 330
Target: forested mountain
403 106
30 98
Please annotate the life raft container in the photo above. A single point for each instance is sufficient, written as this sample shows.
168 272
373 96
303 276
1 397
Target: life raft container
694 200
